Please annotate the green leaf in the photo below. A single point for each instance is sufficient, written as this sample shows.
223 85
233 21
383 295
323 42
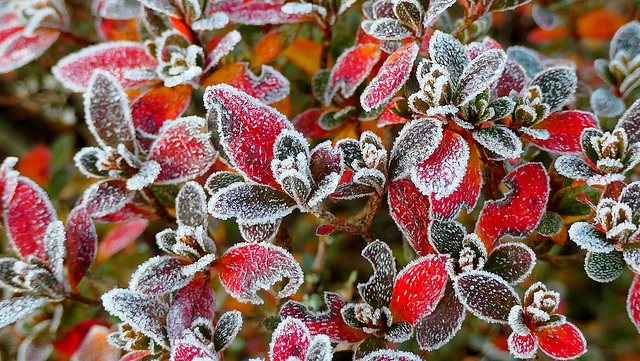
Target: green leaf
550 224
569 206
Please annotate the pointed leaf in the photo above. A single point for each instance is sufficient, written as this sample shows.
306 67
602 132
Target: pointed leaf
445 49
486 295
120 237
409 209
350 69
479 75
378 289
191 349
520 211
513 77
160 275
557 84
269 86
117 58
248 267
438 328
500 141
418 288
251 203
106 197
512 261
564 131
414 144
573 167
562 342
436 8
228 326
195 301
81 245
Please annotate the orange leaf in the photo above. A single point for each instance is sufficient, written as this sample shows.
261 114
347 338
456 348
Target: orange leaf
95 347
35 164
305 54
114 30
539 35
599 24
272 44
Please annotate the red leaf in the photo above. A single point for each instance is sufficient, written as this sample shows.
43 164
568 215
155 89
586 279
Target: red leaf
152 108
562 342
27 218
522 346
182 151
120 237
513 78
70 341
247 130
134 356
75 70
8 182
255 12
329 322
392 75
106 197
390 118
418 288
191 349
325 230
633 302
410 210
307 124
564 131
126 213
82 244
269 87
519 212
94 346
195 300
290 340
36 164
19 49
351 69
248 267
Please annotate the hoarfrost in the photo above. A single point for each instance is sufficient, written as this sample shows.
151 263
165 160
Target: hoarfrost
378 289
214 21
476 77
351 69
55 247
573 167
522 346
604 267
227 327
485 295
385 29
167 7
499 140
303 9
446 50
17 308
631 256
436 7
391 355
558 84
626 39
191 206
289 341
630 121
633 302
416 142
254 203
224 47
159 275
146 175
105 197
512 261
605 104
259 232
319 349
590 238
438 328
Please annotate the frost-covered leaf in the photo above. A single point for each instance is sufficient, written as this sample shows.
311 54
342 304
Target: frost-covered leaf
247 130
630 122
54 246
626 39
81 244
290 340
557 84
522 347
590 238
604 267
438 328
485 295
329 322
631 255
418 288
391 355
182 151
385 29
269 86
633 302
446 50
105 197
550 224
446 237
17 308
520 211
191 206
436 8
144 313
527 58
19 45
476 77
409 209
605 104
504 5
573 167
564 131
192 349
107 111
378 289
256 12
392 75
351 69
442 172
196 300
251 203
513 77
160 275
227 327
117 58
146 175
248 267
154 107
500 141
168 7
259 232
562 342
415 143
512 261
27 217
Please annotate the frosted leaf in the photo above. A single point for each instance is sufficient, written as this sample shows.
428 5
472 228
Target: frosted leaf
293 8
418 288
223 48
255 12
195 301
527 58
290 340
573 342
512 261
55 247
191 206
326 186
144 313
436 8
147 174
24 45
191 349
504 5
74 71
10 270
159 275
325 161
550 224
445 168
399 332
378 289
259 232
486 296
81 244
168 7
483 71
391 77
633 302
446 50
522 346
410 210
17 308
590 238
212 22
513 77
416 142
631 255
438 328
344 5
8 181
558 84
446 237
87 161
604 267
605 104
351 190
631 196
222 179
573 167
350 70
385 29
630 122
391 355
118 9
319 349
248 267
500 141
105 197
250 203
227 328
626 39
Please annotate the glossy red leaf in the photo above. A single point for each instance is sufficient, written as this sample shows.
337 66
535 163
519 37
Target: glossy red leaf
633 302
27 217
75 70
82 244
19 49
307 124
71 339
418 288
329 322
390 118
564 131
151 109
255 12
36 164
248 267
562 342
269 86
409 208
195 300
247 129
182 151
392 75
290 340
325 230
119 238
351 69
519 212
